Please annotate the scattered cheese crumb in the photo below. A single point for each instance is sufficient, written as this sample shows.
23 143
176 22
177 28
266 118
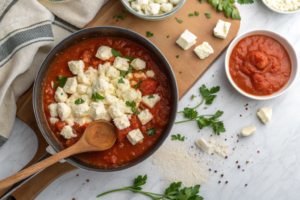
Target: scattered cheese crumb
248 130
265 114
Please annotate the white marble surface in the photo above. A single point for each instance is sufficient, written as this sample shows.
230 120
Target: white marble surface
274 173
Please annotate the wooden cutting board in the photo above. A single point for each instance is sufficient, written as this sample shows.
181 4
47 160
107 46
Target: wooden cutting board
188 63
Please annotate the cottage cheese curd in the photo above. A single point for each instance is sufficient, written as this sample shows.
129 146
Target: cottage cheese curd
153 7
284 5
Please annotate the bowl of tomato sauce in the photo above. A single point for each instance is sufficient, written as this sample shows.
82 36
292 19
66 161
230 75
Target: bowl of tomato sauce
261 64
112 74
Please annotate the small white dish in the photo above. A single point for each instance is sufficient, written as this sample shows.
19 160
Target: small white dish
278 11
284 42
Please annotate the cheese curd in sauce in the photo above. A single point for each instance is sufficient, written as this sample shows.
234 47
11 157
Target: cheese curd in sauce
259 65
111 79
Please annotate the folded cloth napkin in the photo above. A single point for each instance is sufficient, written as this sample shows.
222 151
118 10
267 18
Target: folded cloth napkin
28 31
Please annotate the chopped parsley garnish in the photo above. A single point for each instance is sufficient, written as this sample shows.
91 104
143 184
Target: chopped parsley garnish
121 80
193 96
97 96
151 131
173 192
168 36
133 105
208 15
120 17
123 73
177 56
196 13
142 107
202 121
245 1
61 93
138 85
151 96
61 81
205 107
228 7
129 58
79 101
191 14
179 20
125 11
149 34
180 72
178 137
115 53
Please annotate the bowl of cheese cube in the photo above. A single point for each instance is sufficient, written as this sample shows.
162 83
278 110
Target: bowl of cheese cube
153 10
283 6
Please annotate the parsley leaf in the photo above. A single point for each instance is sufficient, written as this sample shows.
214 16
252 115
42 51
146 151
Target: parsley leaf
129 58
190 113
123 73
61 81
201 1
207 94
79 101
138 85
132 105
179 20
120 17
177 137
151 96
180 72
135 111
142 107
196 13
193 96
140 180
245 1
121 80
97 96
115 53
125 11
208 15
149 34
177 56
115 16
151 131
228 7
173 189
191 14
168 36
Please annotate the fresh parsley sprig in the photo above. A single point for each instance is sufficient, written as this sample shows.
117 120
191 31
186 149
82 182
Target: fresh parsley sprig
208 96
228 7
173 192
178 137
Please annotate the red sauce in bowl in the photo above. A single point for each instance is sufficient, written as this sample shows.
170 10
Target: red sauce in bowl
123 151
260 65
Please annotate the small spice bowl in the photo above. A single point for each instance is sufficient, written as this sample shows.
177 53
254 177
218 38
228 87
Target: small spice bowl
284 42
152 17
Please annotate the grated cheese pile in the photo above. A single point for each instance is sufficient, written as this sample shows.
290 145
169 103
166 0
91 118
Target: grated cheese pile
176 164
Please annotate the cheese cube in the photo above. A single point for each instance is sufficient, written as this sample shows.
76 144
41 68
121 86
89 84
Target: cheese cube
145 116
204 146
150 74
116 109
248 130
122 122
203 50
82 79
121 64
150 102
186 40
138 64
53 120
131 95
81 110
175 2
152 9
161 1
71 85
110 99
98 111
104 53
81 88
222 28
100 85
63 110
67 132
112 73
135 136
76 67
135 6
53 109
166 7
60 95
91 74
265 114
83 120
142 2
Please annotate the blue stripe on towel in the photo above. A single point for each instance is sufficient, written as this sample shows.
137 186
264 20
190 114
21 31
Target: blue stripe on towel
7 9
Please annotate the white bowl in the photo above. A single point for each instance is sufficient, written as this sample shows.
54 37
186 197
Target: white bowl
153 17
289 48
278 11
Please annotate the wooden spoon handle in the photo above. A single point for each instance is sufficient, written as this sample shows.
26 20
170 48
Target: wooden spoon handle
38 167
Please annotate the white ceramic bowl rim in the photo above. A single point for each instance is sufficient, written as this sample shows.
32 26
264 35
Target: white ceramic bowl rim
289 48
278 11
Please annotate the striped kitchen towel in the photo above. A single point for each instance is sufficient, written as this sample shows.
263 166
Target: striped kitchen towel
29 29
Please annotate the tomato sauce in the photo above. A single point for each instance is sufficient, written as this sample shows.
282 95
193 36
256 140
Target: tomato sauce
260 65
123 151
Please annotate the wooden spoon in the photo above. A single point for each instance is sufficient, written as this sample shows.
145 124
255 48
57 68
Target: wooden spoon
98 136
